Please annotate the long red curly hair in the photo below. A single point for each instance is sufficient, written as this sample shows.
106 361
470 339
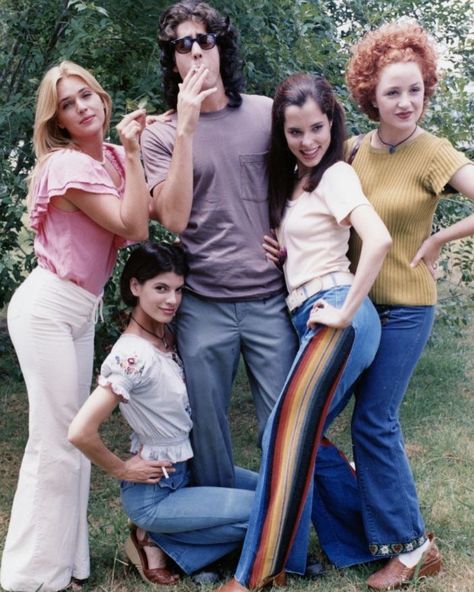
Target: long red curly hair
389 44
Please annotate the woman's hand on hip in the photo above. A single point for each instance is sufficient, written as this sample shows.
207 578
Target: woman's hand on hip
139 470
324 313
429 252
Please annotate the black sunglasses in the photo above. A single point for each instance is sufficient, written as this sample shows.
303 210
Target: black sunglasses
185 44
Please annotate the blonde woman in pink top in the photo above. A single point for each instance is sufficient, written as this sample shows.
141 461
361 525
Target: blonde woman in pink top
86 199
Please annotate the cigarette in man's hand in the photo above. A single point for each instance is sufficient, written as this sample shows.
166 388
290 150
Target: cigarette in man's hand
165 472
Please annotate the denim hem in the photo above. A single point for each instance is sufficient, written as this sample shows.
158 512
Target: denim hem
362 560
192 558
392 549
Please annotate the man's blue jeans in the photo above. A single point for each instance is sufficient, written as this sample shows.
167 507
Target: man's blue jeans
193 525
212 336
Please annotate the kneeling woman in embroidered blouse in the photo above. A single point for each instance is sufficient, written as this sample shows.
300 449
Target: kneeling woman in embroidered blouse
143 374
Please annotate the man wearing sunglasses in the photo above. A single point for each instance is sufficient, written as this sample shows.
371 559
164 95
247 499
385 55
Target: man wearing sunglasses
206 172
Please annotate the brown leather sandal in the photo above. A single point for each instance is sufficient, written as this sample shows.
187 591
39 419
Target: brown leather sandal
134 549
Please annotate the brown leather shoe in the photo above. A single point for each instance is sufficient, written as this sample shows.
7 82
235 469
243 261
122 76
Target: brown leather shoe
394 574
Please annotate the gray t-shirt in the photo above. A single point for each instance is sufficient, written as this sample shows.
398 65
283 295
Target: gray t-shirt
229 215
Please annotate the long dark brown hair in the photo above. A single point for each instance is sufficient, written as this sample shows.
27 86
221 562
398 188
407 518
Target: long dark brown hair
295 90
227 43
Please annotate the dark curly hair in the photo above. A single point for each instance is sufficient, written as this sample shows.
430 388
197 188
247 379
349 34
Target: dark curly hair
146 262
296 90
389 44
230 60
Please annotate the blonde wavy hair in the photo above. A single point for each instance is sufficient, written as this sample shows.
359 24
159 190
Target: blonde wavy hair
47 135
389 44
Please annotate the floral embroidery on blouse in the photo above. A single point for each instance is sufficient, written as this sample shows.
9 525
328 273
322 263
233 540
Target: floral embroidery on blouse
129 365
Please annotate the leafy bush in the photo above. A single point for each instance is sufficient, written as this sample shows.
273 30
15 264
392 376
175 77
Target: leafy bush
116 40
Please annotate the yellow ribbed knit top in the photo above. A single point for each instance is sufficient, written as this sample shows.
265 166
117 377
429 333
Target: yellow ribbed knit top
405 188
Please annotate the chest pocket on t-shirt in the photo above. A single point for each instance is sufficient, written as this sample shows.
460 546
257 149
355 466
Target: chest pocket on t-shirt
253 176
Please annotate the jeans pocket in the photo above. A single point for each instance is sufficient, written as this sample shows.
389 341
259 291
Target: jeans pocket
175 481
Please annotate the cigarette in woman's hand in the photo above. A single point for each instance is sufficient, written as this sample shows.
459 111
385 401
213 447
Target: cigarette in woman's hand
165 472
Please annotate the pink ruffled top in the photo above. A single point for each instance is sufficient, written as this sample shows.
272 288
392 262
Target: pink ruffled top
70 244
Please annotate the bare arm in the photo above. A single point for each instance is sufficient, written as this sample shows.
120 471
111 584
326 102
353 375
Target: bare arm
376 242
173 198
127 217
462 181
84 434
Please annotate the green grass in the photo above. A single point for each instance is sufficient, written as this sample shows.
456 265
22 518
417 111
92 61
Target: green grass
438 415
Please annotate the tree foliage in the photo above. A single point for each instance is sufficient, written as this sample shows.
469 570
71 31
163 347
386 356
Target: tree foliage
116 40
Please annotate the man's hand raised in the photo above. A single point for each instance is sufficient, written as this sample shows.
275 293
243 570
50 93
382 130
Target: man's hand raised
190 99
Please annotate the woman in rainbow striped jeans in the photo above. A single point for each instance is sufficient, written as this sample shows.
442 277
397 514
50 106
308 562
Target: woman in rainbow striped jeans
315 198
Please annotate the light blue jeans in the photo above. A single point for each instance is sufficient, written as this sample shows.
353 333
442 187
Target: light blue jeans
195 526
212 336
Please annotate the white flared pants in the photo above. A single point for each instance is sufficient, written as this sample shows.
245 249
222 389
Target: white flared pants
51 324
